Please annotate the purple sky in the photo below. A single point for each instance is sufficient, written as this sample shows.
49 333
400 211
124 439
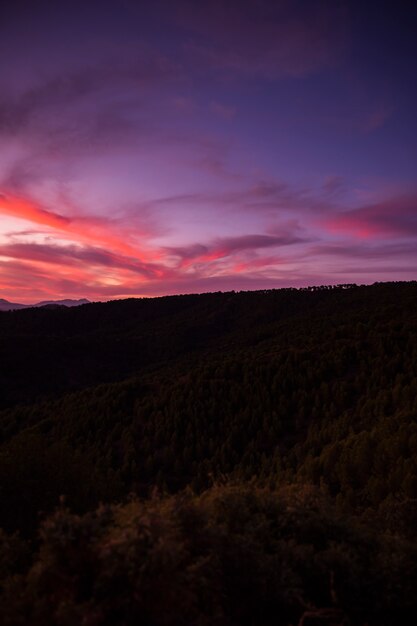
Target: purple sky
160 147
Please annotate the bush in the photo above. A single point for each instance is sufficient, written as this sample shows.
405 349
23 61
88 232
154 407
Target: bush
235 555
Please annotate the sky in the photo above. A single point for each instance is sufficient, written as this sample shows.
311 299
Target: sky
164 147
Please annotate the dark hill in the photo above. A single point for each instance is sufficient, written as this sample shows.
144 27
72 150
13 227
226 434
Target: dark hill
53 351
299 406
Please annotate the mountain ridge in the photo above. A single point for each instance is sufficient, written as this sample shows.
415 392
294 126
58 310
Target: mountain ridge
5 305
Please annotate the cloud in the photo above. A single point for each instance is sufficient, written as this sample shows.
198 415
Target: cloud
129 70
393 217
377 118
223 110
260 197
28 210
224 247
259 38
40 270
363 250
334 185
104 256
71 255
90 230
249 242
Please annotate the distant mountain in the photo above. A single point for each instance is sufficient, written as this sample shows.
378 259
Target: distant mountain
5 305
63 302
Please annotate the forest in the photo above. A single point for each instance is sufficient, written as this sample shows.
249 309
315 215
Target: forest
238 458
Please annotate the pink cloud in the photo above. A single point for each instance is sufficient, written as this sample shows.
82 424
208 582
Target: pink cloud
27 210
393 217
76 255
83 229
101 255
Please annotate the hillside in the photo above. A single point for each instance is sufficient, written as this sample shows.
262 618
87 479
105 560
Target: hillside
279 428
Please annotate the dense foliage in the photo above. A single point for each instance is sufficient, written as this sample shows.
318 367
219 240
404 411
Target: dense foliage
300 406
234 555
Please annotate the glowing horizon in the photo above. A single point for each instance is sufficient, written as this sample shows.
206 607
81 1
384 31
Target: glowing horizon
167 149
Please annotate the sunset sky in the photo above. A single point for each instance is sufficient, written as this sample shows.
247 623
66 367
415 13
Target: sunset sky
151 148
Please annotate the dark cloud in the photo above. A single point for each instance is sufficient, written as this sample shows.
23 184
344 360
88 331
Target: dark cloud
260 38
227 246
266 197
250 242
70 255
105 84
364 251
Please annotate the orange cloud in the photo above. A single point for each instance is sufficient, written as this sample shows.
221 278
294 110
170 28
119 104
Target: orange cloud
84 230
27 210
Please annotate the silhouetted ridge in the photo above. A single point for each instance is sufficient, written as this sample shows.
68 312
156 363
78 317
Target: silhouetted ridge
5 305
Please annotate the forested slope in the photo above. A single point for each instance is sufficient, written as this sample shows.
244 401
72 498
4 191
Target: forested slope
299 399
